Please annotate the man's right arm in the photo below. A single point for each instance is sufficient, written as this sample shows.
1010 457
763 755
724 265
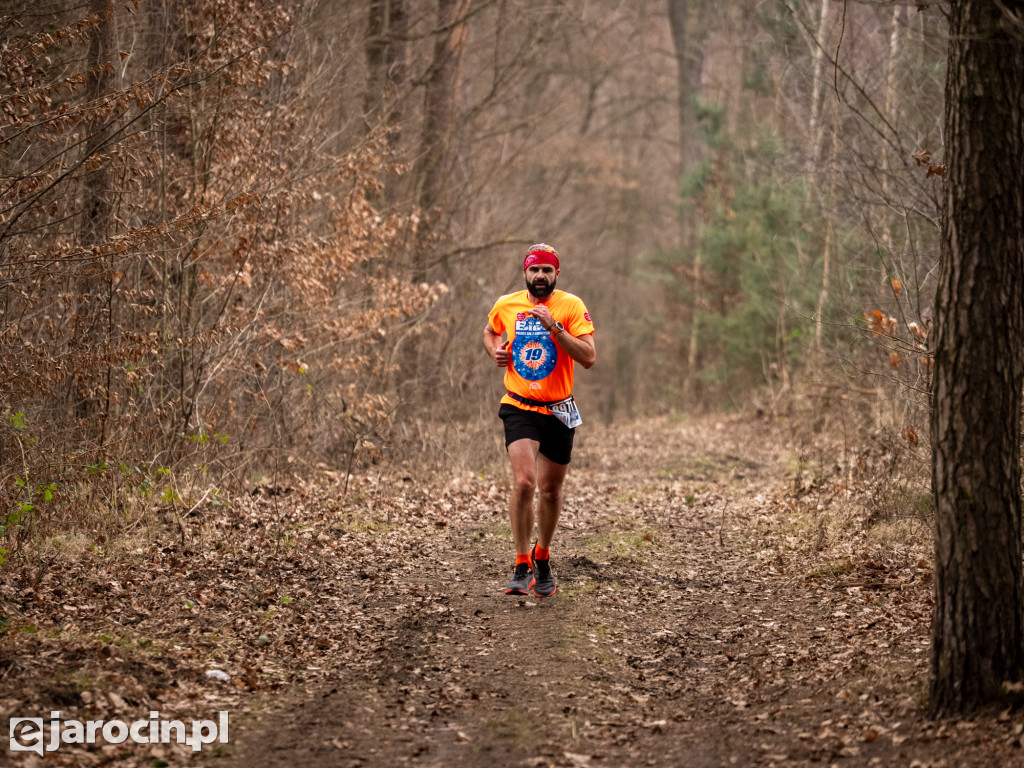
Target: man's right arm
496 350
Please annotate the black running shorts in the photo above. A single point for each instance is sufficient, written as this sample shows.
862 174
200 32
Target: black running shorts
554 437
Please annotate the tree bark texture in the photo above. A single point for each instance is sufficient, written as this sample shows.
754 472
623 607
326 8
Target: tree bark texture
440 121
830 231
978 620
686 20
103 79
385 49
99 197
891 69
817 87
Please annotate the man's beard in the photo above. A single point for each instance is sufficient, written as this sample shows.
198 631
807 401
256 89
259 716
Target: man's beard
542 291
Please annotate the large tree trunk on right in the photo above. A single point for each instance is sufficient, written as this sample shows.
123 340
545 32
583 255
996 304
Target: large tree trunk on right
978 622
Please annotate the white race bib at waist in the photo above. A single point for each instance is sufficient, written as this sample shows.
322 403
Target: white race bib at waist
566 412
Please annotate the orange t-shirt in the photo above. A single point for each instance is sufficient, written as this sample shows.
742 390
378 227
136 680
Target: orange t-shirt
539 369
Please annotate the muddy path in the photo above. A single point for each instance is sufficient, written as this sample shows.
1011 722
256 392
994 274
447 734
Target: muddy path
715 608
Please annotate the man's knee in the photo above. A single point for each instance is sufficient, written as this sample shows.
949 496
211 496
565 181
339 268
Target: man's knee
526 485
551 492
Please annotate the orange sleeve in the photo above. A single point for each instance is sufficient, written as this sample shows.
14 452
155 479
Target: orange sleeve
494 318
579 323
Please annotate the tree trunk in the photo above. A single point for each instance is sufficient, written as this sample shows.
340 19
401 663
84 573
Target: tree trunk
622 392
432 174
830 231
385 48
892 67
817 87
98 202
685 17
440 120
978 621
98 206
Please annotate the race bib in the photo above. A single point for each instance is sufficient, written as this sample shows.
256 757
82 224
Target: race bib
566 412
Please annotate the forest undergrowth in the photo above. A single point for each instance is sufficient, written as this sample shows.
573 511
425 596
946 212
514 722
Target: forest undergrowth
732 591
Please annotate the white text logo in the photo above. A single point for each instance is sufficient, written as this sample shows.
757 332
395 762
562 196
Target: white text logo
28 733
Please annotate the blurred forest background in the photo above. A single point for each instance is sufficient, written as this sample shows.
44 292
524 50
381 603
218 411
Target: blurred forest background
241 239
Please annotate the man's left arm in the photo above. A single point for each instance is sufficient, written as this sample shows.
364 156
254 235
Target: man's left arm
579 348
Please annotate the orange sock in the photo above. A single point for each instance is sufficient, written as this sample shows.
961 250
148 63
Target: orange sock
520 559
541 554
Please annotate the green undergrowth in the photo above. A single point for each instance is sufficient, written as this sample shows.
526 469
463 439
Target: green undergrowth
578 589
708 466
629 543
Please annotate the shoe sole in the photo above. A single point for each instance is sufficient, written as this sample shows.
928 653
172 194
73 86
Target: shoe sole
542 594
516 592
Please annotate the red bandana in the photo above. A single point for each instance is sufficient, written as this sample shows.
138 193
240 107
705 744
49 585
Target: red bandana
541 254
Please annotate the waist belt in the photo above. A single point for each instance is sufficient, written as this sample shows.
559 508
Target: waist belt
538 403
563 410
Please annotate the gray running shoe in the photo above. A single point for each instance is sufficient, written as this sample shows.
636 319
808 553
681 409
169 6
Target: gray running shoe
543 583
520 583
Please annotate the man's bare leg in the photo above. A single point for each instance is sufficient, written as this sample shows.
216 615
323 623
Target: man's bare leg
550 477
523 454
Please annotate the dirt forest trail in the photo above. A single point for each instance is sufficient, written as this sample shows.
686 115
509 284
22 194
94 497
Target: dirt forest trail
690 628
731 592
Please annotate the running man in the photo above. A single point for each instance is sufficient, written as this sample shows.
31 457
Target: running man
546 331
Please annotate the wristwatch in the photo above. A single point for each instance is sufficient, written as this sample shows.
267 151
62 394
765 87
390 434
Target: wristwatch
556 328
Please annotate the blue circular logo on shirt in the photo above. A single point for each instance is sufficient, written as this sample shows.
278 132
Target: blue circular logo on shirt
534 356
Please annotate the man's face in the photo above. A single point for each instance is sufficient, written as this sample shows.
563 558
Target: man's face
540 279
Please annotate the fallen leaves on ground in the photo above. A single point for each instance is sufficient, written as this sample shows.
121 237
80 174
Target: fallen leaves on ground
722 598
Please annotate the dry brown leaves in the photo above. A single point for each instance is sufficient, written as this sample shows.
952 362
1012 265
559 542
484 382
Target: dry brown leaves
725 596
